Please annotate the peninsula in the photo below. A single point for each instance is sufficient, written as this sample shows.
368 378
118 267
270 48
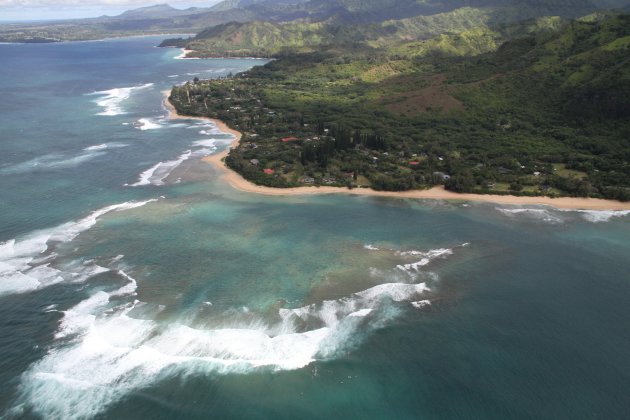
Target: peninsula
405 118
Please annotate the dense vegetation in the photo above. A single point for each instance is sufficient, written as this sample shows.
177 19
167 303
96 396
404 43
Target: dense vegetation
479 24
502 96
544 113
161 19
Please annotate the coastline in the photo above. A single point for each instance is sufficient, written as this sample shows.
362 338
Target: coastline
235 180
185 55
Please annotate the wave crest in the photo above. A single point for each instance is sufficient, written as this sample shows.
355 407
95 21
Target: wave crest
111 353
111 100
26 263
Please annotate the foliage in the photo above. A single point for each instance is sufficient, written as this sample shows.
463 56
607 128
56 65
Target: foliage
512 115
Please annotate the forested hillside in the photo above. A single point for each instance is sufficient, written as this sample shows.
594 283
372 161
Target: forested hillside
377 24
336 13
538 107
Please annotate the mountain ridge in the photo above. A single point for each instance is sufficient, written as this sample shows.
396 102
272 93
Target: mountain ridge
544 112
163 18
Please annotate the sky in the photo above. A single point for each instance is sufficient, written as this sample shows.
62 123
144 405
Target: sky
20 10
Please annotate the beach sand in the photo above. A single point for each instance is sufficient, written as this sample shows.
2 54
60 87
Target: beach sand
235 180
184 54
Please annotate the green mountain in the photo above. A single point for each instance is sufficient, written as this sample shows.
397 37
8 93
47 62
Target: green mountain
335 13
159 11
242 4
545 112
346 25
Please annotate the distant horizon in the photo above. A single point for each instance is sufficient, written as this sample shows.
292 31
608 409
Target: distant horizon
46 11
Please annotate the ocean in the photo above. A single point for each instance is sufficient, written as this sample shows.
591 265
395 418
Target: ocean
134 283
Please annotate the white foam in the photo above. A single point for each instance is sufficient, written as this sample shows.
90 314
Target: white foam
79 318
102 353
599 216
17 282
545 215
206 143
111 100
80 273
206 147
202 124
370 247
156 174
147 124
22 269
145 177
554 215
362 312
421 303
427 257
129 289
104 146
396 291
183 55
69 231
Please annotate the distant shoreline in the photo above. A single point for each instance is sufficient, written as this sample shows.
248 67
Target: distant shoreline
185 55
29 41
235 180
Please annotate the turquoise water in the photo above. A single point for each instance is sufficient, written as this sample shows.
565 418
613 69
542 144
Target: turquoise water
135 283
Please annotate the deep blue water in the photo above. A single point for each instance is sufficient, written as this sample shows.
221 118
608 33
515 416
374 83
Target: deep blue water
134 283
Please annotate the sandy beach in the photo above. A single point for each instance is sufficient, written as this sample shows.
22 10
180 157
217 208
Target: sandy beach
436 193
184 54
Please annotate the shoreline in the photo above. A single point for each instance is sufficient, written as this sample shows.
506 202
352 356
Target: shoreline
236 181
184 55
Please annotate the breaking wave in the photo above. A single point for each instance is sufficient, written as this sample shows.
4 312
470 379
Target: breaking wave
557 216
104 146
147 124
599 216
545 215
111 100
144 124
425 258
156 174
102 352
28 263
